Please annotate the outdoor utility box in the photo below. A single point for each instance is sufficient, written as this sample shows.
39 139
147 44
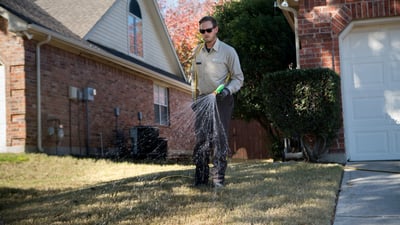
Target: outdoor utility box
74 93
89 93
146 143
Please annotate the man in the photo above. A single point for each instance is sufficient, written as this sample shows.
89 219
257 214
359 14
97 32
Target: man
214 63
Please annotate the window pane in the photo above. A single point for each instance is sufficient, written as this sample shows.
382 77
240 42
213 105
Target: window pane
157 116
166 97
131 33
162 96
135 33
155 94
139 37
164 115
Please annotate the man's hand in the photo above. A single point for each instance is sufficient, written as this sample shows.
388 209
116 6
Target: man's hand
225 92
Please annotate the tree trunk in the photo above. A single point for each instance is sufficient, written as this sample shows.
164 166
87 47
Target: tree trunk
313 146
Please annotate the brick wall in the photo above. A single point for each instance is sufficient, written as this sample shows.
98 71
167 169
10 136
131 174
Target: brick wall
12 56
321 21
115 87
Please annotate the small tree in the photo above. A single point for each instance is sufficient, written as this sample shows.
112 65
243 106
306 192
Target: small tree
305 103
182 18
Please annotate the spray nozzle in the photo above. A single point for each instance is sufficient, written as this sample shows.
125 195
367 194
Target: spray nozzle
219 89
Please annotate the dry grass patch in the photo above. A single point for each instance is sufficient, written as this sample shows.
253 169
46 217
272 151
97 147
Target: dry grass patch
65 190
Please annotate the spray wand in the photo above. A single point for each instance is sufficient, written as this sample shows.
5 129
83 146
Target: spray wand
219 89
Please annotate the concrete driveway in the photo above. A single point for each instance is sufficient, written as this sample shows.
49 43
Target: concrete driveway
370 194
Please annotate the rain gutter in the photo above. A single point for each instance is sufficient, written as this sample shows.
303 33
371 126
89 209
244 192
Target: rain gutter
38 93
296 32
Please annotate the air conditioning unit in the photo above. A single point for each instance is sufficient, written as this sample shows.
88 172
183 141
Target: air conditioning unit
146 143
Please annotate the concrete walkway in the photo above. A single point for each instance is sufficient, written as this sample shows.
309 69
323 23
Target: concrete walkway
370 194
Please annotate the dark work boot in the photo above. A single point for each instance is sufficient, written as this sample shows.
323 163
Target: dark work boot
201 175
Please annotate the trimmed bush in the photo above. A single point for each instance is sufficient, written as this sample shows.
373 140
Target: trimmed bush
305 103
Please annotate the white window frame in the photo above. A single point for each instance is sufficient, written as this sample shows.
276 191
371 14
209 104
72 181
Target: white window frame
161 105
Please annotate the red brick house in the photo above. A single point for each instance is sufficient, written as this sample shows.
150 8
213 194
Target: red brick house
360 40
73 73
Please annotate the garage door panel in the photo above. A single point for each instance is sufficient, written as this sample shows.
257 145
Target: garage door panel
365 43
394 40
394 68
397 140
371 142
392 106
375 144
368 109
368 75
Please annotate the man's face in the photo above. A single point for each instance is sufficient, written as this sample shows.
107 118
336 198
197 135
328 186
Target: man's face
208 32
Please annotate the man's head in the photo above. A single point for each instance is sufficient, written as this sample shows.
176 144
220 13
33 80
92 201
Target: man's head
208 28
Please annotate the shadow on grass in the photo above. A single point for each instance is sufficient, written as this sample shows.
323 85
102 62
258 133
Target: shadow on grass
129 159
256 193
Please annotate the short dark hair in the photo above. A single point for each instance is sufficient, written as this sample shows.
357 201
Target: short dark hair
209 18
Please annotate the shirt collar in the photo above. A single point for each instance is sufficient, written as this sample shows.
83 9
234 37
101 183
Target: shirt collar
216 45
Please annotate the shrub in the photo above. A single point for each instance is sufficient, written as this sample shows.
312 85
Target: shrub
305 103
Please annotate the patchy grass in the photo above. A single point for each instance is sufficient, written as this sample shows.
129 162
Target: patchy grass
66 190
15 158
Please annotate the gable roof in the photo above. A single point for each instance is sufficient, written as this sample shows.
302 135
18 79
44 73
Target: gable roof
68 12
59 18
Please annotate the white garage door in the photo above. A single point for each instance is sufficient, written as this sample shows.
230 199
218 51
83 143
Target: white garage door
370 71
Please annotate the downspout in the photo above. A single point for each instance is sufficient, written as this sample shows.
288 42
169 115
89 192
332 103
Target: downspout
296 32
38 93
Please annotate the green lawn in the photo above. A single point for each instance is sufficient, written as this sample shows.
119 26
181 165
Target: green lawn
41 189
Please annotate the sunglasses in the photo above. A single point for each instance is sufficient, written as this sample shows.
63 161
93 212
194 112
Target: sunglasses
209 30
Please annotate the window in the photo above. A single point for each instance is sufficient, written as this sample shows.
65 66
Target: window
135 29
161 112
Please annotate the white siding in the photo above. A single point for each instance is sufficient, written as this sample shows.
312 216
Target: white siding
157 50
112 31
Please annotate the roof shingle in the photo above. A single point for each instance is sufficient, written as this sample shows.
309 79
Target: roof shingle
32 13
79 16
